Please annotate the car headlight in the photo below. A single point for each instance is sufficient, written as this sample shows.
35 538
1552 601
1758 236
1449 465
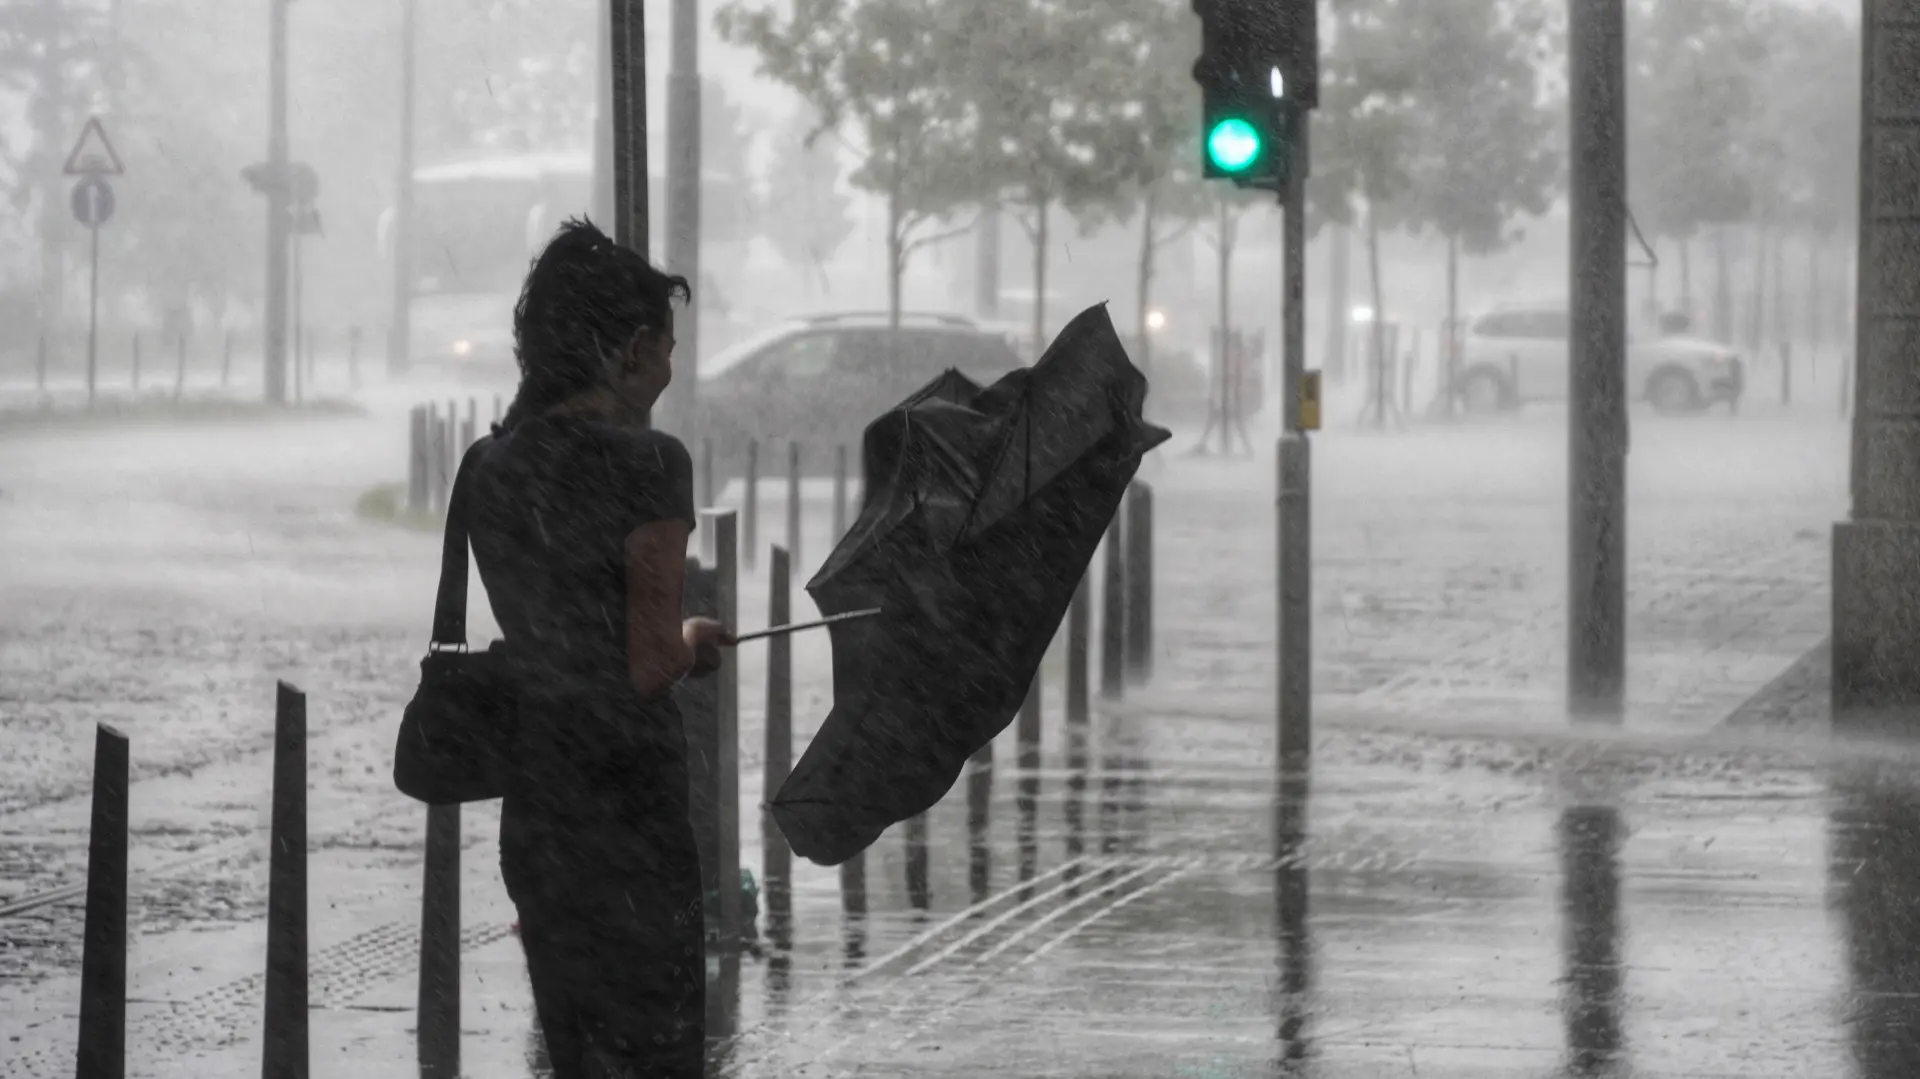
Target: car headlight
463 348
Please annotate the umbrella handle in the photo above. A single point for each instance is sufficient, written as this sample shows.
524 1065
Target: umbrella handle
795 627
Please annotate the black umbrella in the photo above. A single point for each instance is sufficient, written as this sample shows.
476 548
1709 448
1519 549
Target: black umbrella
983 513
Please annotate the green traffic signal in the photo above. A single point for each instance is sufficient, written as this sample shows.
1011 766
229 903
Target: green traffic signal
1233 145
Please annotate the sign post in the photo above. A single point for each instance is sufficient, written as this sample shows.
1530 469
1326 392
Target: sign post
93 159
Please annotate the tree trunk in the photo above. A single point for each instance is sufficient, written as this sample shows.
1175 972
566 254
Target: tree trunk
1379 342
896 257
1816 318
986 261
1782 303
1144 286
1224 363
1722 289
1449 376
1756 320
1039 275
1686 276
1339 271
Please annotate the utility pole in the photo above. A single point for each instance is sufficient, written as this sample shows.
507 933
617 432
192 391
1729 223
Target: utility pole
278 216
683 202
1597 404
400 328
627 42
1876 636
1294 497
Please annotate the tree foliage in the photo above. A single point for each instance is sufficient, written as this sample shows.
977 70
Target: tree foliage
1691 111
808 216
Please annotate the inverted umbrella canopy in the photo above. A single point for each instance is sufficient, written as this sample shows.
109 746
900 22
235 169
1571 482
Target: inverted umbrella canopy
984 511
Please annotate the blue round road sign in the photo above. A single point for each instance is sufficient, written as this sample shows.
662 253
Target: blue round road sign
92 201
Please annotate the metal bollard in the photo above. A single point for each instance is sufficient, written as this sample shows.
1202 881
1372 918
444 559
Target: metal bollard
776 867
919 888
499 411
103 962
1140 583
468 426
750 512
1078 618
1027 729
839 492
40 366
1113 615
226 360
284 1049
437 1026
180 365
136 363
727 563
709 494
793 502
417 459
437 460
450 450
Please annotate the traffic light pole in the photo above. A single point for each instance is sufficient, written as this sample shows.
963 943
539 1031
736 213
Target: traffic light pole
400 328
1295 480
1597 423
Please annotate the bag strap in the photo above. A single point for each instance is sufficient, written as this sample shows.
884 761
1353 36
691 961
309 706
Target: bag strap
450 602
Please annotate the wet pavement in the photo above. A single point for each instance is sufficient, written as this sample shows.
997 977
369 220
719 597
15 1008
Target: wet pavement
1463 886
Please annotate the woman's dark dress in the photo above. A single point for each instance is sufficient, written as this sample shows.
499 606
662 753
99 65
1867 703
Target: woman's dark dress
595 846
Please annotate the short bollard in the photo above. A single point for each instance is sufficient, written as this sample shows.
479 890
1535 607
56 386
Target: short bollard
793 502
284 1048
1027 729
1140 584
40 366
750 511
1079 617
839 492
726 543
469 425
179 365
1113 615
417 460
226 360
777 858
136 363
103 962
437 1038
709 494
499 412
450 450
919 889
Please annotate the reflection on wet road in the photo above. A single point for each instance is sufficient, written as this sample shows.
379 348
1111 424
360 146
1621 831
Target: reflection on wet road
1413 907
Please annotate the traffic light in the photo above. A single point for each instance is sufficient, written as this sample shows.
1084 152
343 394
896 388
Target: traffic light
1258 71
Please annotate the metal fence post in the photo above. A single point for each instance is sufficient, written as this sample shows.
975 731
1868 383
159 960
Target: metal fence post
793 502
437 1028
417 460
750 512
1113 614
777 859
727 564
103 960
1140 583
709 494
839 492
284 1049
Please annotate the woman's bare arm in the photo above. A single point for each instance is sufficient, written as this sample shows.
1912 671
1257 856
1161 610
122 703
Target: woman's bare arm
657 652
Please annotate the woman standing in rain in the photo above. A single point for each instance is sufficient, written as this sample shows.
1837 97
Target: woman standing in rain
580 533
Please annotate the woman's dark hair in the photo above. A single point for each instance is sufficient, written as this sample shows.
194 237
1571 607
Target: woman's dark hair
585 297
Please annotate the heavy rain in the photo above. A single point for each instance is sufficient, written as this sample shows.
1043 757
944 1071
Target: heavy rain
1110 538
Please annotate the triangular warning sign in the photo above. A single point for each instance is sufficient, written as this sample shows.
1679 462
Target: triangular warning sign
93 155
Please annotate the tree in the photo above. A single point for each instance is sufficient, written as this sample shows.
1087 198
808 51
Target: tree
48 56
1690 98
880 74
1060 117
810 216
1484 149
1366 127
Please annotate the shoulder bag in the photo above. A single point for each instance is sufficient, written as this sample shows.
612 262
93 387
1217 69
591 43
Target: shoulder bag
458 734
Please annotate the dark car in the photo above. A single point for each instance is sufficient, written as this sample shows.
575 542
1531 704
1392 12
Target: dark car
820 380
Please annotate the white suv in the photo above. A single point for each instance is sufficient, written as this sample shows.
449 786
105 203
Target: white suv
1512 356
